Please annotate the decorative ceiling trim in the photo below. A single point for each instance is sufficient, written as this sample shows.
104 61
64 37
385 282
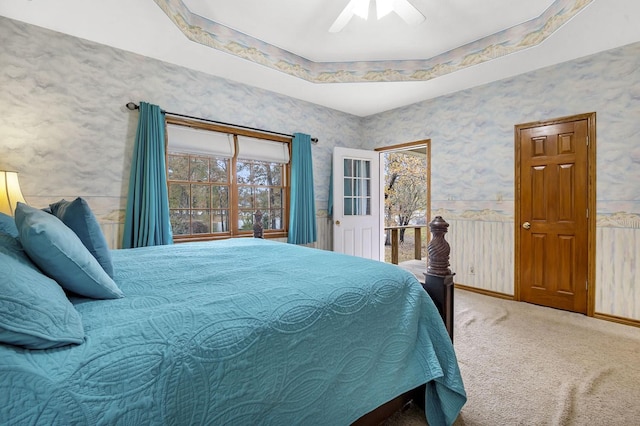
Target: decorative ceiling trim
217 36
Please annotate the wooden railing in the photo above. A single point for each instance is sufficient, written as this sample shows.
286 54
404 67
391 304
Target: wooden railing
395 241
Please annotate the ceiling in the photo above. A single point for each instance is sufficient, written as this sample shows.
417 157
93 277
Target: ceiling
370 66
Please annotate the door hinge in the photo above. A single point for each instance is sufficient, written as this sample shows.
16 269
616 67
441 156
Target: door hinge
587 213
587 140
586 285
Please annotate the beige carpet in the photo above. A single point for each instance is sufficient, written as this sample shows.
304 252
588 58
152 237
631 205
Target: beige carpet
528 365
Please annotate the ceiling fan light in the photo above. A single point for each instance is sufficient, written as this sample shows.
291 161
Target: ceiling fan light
383 8
361 8
403 8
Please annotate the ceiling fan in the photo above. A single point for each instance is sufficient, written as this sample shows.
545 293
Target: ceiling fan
403 8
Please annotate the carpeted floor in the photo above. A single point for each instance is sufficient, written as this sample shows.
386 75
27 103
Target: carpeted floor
529 365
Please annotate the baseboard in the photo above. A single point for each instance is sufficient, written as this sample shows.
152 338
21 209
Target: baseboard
620 320
606 317
485 292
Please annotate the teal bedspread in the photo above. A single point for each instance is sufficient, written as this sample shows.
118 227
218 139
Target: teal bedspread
239 332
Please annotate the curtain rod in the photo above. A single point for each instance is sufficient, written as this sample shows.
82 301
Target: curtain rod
133 106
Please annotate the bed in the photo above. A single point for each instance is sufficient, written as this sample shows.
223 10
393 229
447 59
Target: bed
234 332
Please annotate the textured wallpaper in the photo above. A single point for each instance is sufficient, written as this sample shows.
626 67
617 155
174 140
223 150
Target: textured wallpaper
472 131
64 126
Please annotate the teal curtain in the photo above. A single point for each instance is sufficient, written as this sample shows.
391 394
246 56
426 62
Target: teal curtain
302 213
146 220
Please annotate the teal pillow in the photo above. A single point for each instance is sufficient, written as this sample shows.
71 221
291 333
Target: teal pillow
78 216
34 311
60 254
8 225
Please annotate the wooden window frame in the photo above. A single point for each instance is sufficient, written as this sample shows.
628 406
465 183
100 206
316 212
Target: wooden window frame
234 232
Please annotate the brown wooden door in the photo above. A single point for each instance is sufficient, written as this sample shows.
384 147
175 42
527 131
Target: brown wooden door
553 204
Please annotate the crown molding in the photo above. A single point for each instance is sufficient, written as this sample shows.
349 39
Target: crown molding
517 38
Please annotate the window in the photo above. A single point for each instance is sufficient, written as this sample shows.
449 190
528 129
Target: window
219 178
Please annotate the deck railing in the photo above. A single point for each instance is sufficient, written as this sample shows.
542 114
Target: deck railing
395 241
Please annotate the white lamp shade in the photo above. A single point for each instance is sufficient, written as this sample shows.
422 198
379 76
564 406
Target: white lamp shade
10 193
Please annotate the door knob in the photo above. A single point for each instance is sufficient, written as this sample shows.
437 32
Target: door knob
337 222
526 225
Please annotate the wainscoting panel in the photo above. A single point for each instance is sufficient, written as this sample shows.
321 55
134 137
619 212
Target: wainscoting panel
482 254
325 231
618 271
113 232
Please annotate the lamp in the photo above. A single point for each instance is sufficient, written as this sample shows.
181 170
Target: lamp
10 193
403 8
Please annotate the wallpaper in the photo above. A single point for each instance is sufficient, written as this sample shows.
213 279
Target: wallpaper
65 129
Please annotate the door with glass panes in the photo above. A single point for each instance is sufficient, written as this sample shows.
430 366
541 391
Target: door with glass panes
357 225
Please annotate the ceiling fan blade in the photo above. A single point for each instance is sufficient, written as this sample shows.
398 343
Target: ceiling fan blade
383 8
342 19
408 12
345 16
340 22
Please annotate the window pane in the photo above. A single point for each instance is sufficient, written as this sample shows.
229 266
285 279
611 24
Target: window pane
274 220
245 197
200 198
178 196
275 197
357 168
367 188
200 222
276 174
178 167
220 220
261 174
367 169
348 185
219 170
262 198
348 166
199 169
219 197
348 206
245 220
243 170
179 222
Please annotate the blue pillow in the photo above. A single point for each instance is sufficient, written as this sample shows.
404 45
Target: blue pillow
60 254
78 216
34 311
8 225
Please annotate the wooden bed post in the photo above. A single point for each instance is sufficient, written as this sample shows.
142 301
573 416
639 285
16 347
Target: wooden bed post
257 224
439 278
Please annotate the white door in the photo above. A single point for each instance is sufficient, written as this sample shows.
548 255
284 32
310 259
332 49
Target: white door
357 222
